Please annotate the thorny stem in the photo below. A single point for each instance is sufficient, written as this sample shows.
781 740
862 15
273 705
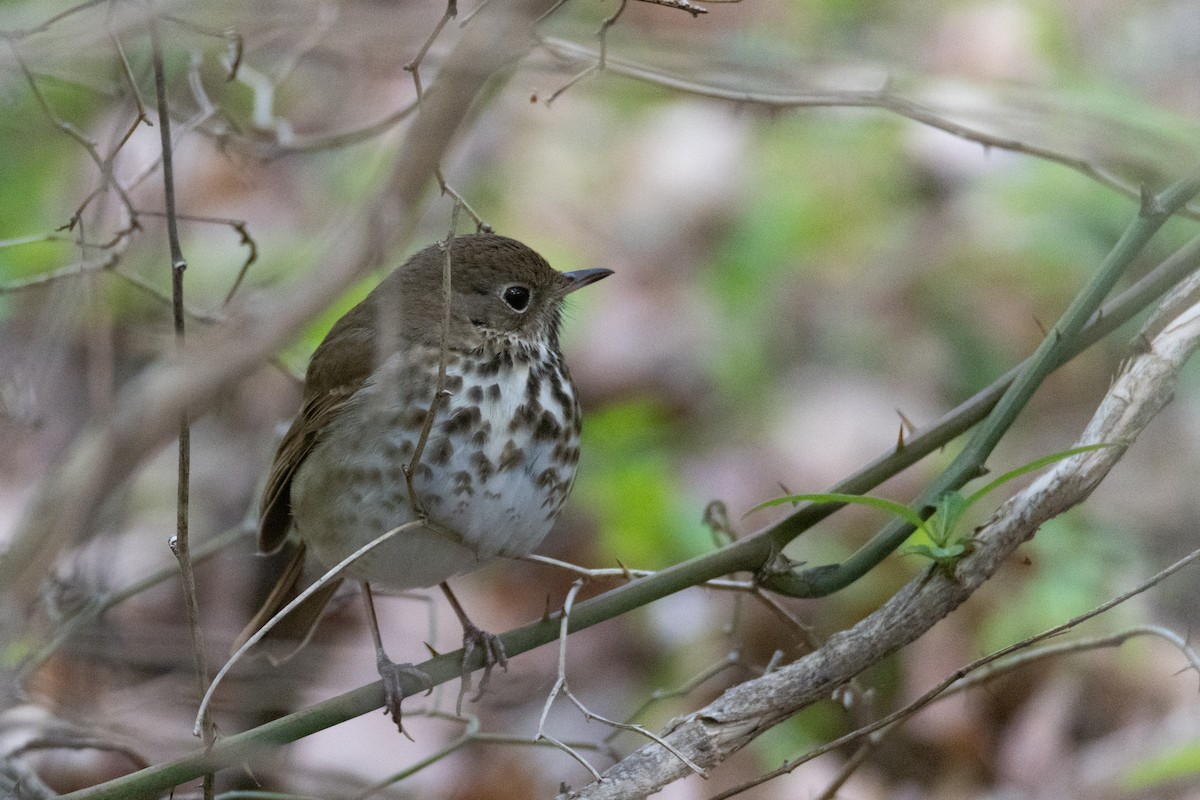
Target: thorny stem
1053 350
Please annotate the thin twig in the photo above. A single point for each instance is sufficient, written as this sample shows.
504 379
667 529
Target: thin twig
601 62
683 5
69 271
127 75
439 391
1000 662
240 227
103 163
560 682
885 99
629 573
590 715
480 225
562 686
179 542
731 660
414 66
331 574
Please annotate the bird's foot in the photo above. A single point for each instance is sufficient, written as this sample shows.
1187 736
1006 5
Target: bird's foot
493 655
394 677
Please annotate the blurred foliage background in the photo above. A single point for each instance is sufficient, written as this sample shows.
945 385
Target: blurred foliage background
791 283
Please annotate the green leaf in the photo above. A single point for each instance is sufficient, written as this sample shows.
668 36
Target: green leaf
937 552
1037 464
890 506
950 509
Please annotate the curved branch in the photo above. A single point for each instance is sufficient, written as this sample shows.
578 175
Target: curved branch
708 736
745 554
884 99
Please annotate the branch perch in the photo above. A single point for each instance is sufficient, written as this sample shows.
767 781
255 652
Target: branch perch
708 736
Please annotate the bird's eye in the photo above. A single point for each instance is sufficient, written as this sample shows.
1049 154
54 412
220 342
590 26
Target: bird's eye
517 297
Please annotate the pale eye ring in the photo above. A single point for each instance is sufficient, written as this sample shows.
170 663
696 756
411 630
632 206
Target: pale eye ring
516 297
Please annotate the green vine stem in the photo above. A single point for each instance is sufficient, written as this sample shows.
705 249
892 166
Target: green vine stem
1003 399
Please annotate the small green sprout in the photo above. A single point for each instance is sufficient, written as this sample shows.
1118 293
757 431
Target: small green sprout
946 545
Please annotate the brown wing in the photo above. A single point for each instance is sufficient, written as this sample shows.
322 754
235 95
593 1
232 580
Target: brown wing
340 366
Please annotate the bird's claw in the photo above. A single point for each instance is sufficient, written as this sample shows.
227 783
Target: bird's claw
493 655
394 676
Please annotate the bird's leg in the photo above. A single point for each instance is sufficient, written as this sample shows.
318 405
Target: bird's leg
473 637
392 674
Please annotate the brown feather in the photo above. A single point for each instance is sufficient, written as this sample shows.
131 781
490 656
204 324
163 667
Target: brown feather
339 367
293 631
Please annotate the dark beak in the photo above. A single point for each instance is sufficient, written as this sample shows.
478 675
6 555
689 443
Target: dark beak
581 278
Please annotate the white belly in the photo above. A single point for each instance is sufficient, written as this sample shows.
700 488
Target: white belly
497 492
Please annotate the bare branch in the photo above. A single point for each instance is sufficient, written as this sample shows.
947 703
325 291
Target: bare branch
414 66
990 666
179 543
62 273
711 734
601 61
562 686
108 450
885 99
682 5
103 163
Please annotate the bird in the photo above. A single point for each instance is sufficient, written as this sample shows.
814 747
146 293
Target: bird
446 412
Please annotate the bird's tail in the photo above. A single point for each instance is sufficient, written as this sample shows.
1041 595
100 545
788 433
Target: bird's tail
292 632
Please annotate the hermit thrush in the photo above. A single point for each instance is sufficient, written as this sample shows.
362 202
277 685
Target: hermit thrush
497 449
